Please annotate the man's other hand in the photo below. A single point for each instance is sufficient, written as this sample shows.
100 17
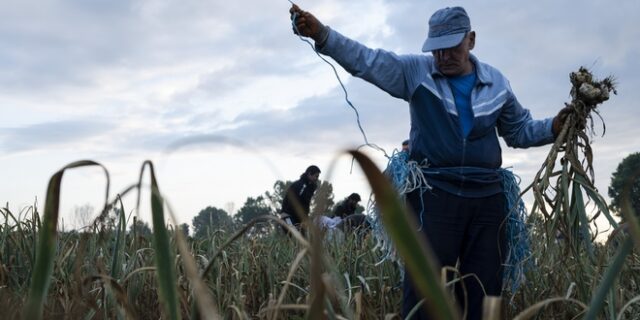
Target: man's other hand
307 25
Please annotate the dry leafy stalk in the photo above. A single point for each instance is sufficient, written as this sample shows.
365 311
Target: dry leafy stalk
559 203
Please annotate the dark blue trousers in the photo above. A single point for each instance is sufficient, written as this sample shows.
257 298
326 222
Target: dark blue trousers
466 229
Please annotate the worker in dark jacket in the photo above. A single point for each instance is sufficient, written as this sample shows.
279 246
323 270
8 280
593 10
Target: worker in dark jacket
347 206
297 200
351 221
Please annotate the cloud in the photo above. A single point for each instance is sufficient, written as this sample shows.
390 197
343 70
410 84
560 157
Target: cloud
133 79
50 135
55 43
327 122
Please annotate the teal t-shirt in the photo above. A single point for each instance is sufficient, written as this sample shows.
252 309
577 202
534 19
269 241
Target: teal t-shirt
461 87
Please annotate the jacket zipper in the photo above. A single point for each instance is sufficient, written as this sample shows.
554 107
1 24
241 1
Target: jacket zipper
464 155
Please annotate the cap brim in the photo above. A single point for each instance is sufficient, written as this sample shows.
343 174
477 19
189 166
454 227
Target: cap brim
443 42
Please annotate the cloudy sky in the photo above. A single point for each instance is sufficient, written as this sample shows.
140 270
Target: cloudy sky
225 100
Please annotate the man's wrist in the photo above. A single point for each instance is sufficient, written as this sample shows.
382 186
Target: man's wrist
322 36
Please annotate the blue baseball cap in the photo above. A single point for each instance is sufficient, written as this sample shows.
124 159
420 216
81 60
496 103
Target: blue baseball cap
447 28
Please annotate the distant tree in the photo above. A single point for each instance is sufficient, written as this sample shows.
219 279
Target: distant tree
140 228
275 197
209 220
628 169
185 229
322 199
253 207
83 215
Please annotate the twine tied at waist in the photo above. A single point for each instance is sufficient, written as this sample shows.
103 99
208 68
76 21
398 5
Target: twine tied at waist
408 176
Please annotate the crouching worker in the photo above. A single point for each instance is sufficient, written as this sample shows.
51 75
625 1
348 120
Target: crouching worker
350 213
343 209
347 206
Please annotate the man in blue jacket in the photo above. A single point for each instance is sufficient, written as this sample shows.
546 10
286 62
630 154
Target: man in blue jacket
458 107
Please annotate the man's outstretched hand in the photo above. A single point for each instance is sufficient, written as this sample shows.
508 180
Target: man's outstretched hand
558 121
307 25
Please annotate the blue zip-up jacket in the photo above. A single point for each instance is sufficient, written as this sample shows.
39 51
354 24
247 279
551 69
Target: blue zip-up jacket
463 166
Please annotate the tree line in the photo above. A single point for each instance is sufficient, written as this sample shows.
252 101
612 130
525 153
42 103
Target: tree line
210 219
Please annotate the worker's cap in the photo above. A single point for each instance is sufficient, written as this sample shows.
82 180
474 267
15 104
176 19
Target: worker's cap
447 28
